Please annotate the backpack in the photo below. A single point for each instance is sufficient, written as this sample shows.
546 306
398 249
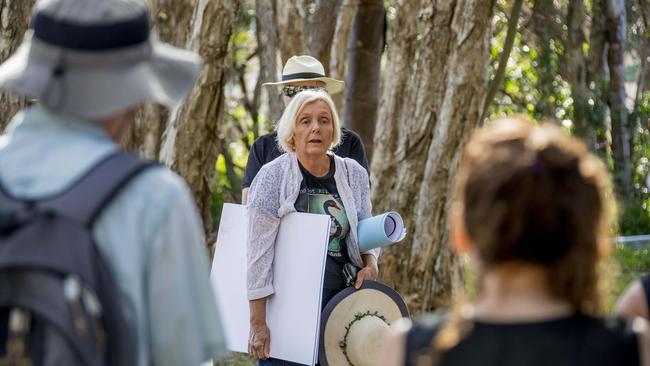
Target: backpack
59 303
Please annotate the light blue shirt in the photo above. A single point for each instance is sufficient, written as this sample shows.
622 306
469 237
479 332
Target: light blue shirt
150 234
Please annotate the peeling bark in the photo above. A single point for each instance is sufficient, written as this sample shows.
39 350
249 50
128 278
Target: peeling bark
364 60
291 16
268 43
172 20
321 30
338 53
430 104
190 145
14 21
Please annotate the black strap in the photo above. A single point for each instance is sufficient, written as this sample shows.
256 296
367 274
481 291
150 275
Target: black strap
8 202
85 199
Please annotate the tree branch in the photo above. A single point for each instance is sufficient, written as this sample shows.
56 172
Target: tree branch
507 48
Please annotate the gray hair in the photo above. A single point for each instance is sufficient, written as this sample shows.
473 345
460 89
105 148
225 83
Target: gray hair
288 120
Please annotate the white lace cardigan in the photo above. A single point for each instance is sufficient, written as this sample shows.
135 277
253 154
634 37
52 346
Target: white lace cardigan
273 194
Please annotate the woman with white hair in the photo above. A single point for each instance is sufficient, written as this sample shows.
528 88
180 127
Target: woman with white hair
306 178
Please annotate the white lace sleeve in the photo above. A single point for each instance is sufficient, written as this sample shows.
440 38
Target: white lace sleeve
263 224
360 184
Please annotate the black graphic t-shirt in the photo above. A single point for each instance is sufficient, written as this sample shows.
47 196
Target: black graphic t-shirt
319 195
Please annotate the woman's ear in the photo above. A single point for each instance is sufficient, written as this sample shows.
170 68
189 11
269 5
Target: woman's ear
459 238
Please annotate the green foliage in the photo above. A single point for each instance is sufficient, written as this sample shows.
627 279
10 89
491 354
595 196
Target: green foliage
632 263
237 359
532 84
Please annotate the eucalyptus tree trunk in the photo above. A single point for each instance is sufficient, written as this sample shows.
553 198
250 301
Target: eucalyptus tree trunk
173 21
432 99
321 30
190 146
268 45
364 60
615 10
292 20
338 52
574 69
14 21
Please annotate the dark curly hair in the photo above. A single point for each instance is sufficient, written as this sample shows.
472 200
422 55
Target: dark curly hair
530 193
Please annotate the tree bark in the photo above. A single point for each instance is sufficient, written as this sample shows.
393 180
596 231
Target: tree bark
268 44
616 97
291 22
420 135
321 30
338 53
545 29
14 21
172 20
190 145
576 72
364 61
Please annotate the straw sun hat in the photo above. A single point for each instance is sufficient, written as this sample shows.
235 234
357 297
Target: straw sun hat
354 321
94 58
307 68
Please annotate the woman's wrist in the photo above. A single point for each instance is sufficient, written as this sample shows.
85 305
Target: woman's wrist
369 260
258 311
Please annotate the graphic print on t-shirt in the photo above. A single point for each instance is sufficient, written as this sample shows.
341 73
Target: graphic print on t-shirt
324 203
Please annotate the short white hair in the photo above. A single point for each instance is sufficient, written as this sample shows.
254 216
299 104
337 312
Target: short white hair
288 120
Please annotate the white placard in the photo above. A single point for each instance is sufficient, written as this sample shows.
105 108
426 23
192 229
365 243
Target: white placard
293 312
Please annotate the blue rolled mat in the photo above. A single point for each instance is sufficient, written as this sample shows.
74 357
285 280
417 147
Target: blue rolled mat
381 230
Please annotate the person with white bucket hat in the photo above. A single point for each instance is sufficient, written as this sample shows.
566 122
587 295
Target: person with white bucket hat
300 73
88 64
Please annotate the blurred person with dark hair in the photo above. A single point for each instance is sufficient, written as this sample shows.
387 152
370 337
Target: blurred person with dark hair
532 212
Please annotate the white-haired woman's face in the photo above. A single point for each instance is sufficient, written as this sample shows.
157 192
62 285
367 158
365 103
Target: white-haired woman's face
314 129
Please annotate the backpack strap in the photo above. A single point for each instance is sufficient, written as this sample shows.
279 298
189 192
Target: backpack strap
85 199
8 202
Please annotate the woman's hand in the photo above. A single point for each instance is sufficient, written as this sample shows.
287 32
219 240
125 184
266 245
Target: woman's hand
259 339
368 272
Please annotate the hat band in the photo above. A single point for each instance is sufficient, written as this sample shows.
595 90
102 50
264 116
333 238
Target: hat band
302 75
48 54
91 37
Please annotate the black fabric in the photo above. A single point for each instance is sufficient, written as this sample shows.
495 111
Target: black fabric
91 37
645 283
325 187
573 340
302 75
265 149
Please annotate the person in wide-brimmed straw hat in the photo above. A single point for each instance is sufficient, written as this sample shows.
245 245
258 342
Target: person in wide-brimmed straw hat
89 64
306 68
300 73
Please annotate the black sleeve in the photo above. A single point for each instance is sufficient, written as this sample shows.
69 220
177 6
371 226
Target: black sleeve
419 339
255 162
357 150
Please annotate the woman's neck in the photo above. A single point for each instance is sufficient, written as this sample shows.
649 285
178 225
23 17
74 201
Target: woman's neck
316 165
517 292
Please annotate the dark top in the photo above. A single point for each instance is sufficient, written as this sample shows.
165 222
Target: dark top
645 283
572 340
319 195
265 149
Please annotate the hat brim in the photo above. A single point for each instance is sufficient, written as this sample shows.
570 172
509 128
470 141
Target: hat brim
332 86
88 92
342 309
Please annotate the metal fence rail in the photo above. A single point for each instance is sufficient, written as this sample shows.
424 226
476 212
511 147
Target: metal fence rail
635 241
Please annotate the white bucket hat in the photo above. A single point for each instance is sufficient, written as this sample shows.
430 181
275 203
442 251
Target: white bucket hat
354 322
94 58
307 68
